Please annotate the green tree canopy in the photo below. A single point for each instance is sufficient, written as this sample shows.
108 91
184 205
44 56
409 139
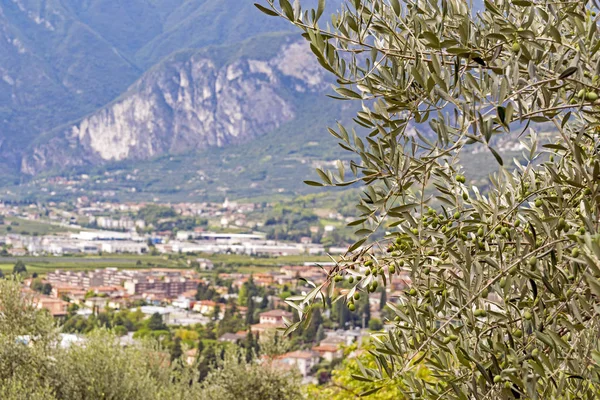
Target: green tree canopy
155 323
19 268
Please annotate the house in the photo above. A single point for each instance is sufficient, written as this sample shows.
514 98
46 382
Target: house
328 351
275 317
303 360
117 303
346 337
205 264
73 293
182 302
111 291
155 297
262 328
56 307
264 279
96 302
206 307
233 337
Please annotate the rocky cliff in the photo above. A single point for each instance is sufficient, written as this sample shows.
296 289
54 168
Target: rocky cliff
192 100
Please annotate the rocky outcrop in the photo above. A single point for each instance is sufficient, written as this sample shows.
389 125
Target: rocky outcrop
190 101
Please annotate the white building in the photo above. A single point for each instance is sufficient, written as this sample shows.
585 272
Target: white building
304 361
124 246
182 302
275 317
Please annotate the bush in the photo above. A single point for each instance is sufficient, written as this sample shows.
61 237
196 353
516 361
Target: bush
33 366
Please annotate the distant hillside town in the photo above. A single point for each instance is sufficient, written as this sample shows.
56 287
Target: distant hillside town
232 228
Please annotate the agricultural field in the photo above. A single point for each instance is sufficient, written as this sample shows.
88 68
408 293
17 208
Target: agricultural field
27 227
43 265
223 262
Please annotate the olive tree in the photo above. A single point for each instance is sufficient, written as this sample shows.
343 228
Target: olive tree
505 291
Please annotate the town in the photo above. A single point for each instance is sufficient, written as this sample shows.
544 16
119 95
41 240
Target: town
83 227
192 305
167 273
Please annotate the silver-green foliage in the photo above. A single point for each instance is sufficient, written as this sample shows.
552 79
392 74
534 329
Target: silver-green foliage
33 365
504 299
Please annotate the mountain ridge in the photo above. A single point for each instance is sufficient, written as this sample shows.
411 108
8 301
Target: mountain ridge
180 89
65 59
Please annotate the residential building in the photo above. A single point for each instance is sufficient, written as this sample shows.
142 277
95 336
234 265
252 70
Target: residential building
304 361
275 317
233 337
56 307
328 351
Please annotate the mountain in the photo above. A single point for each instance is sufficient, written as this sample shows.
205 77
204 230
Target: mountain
159 99
192 100
54 68
65 59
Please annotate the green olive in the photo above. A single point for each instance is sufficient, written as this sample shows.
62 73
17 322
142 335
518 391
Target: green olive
533 261
518 333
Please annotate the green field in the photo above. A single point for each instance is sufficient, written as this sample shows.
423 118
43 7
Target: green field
232 262
43 265
251 265
27 227
245 261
